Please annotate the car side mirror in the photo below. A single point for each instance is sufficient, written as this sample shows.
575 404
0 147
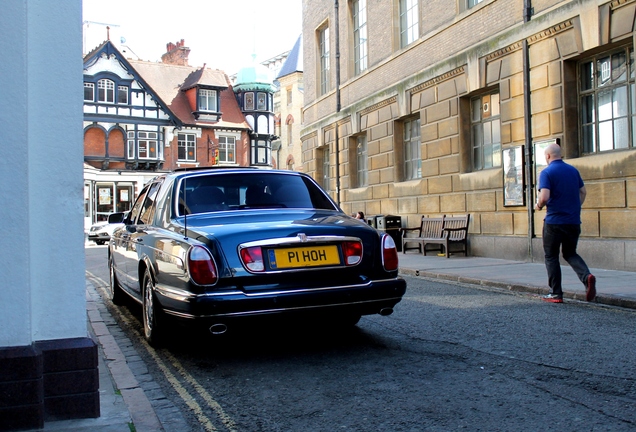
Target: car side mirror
116 218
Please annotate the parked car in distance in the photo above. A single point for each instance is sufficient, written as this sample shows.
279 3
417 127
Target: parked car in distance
214 247
101 232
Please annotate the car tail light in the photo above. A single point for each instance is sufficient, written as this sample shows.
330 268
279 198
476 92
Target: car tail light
389 253
252 258
201 266
352 252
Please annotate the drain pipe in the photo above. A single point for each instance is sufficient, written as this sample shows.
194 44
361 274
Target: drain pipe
337 31
529 156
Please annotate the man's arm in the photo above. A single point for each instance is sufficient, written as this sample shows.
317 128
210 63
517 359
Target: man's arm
582 194
542 198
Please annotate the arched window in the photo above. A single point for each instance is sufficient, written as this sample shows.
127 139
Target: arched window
105 91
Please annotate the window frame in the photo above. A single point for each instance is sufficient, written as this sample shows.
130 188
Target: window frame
134 140
261 101
325 65
325 177
147 209
360 36
186 142
473 3
412 148
122 95
90 85
261 147
409 22
249 101
106 91
227 149
592 117
487 136
207 95
362 160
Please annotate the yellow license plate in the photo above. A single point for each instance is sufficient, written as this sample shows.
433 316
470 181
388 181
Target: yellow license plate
313 256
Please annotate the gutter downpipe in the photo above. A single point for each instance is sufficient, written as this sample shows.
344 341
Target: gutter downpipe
337 31
528 11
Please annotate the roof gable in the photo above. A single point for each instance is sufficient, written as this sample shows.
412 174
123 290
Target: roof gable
294 61
205 78
168 83
108 51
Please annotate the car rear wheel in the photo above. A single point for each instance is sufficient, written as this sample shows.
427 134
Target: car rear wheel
343 321
152 314
115 293
100 242
349 320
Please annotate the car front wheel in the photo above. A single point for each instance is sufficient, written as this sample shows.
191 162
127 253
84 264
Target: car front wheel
152 314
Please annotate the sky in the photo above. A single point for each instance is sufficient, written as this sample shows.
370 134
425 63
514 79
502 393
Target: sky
222 34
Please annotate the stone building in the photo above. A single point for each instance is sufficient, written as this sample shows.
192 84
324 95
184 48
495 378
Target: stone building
288 103
443 107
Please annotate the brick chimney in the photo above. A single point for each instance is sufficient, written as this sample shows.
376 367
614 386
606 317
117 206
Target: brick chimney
176 54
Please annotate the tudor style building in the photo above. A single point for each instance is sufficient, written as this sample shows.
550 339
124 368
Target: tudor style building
142 117
444 107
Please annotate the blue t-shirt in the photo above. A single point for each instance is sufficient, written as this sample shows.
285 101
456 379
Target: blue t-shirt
564 182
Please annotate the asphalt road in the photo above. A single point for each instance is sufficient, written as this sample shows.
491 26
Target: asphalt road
450 357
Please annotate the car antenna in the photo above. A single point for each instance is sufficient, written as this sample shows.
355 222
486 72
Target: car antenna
185 211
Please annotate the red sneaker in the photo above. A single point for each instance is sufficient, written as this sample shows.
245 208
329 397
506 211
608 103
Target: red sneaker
590 288
553 298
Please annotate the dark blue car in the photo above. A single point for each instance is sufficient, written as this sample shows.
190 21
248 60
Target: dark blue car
219 245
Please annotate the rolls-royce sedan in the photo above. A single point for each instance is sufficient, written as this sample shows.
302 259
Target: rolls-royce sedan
214 246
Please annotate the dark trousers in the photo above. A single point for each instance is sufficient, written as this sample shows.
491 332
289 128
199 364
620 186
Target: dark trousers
564 238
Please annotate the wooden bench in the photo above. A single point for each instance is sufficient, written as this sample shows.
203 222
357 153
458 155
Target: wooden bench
442 231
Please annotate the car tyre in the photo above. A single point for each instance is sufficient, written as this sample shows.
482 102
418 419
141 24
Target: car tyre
100 242
152 314
350 320
115 292
344 321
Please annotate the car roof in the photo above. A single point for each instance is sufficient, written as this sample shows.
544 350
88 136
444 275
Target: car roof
187 172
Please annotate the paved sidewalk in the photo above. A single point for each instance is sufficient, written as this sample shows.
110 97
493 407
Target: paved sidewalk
613 287
124 402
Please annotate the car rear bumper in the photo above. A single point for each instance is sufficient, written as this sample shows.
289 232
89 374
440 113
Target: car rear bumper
365 299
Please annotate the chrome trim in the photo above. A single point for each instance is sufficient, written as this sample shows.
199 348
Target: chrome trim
300 239
175 293
297 240
183 295
180 314
291 291
272 311
306 290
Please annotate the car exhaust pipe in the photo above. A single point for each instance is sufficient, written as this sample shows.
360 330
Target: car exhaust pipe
218 329
386 311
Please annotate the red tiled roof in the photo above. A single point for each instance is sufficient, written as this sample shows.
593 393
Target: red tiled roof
169 82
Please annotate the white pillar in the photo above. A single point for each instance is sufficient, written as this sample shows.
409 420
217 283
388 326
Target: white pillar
42 283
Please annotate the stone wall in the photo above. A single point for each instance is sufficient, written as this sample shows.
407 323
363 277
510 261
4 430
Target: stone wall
435 79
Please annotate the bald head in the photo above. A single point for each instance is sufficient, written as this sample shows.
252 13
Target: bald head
554 152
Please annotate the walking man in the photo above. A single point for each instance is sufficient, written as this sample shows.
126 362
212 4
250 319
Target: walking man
561 189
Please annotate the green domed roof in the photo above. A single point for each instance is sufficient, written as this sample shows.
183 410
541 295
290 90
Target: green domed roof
254 78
